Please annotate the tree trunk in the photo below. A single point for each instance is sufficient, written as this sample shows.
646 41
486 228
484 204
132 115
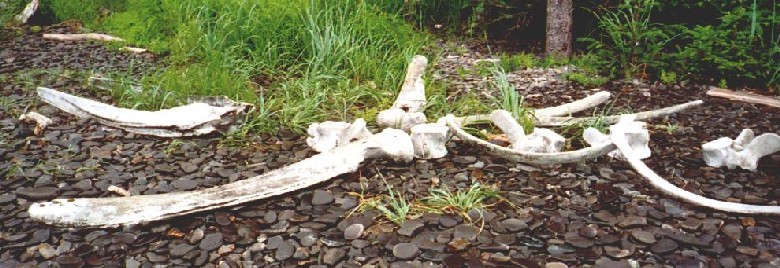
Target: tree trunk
559 24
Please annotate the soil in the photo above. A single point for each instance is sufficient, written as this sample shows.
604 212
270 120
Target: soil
597 213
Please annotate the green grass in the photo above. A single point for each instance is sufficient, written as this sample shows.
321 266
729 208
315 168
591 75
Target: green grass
477 197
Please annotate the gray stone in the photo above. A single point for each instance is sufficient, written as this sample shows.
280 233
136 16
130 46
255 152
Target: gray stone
321 197
211 241
405 251
333 255
47 251
181 249
285 250
354 231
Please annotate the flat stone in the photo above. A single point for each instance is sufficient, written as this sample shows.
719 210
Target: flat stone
605 216
333 255
196 235
559 250
616 252
606 262
405 251
225 249
321 197
643 237
132 263
38 193
40 235
733 230
270 217
579 241
181 249
354 231
301 253
556 265
184 185
285 250
514 225
7 198
154 257
211 241
274 242
69 261
409 227
664 246
466 231
632 222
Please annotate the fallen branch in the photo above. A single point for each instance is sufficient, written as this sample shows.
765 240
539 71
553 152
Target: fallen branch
194 119
83 37
744 97
527 157
114 211
618 138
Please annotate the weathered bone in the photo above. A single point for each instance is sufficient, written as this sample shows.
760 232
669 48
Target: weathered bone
28 11
508 124
618 138
136 50
542 140
744 97
641 116
744 152
114 211
328 135
636 133
430 140
407 108
83 37
575 106
190 120
41 121
527 157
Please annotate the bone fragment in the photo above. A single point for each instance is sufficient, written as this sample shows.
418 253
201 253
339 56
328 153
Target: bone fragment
118 190
83 37
41 121
508 124
194 119
744 97
641 116
618 138
136 50
636 133
542 140
28 11
744 152
527 157
328 135
575 106
430 140
114 211
407 108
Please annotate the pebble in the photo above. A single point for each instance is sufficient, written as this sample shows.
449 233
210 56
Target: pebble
556 265
632 222
354 231
664 246
7 198
466 231
211 241
405 251
196 235
409 227
333 255
514 225
47 251
132 263
643 237
185 185
274 242
458 244
40 235
181 249
285 250
38 193
321 197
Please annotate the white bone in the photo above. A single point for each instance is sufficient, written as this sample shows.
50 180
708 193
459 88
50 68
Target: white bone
542 140
328 135
190 120
406 111
41 121
430 140
619 139
508 124
400 119
575 106
114 211
83 37
744 152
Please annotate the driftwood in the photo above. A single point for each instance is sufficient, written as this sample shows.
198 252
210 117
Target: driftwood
618 138
190 120
114 211
744 97
83 37
28 11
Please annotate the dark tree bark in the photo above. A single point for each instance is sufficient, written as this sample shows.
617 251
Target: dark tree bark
559 24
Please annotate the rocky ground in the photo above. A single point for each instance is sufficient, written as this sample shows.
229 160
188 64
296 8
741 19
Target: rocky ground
597 213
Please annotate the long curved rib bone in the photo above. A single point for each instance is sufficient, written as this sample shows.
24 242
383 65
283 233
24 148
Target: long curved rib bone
640 116
560 110
528 157
618 138
83 37
114 211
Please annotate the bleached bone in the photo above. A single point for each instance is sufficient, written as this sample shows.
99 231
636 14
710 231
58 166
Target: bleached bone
527 157
83 37
328 135
618 138
117 190
508 124
114 211
542 140
28 11
194 119
640 116
41 121
136 50
430 140
407 108
636 133
744 152
575 106
565 121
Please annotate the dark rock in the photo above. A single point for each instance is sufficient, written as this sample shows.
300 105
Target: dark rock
38 193
40 235
270 217
222 218
466 231
409 227
285 250
274 242
733 230
664 246
7 198
514 225
606 262
559 250
632 222
458 244
154 257
643 237
181 249
69 261
405 251
211 241
185 185
321 197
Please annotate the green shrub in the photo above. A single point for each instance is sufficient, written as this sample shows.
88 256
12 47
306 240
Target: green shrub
668 77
